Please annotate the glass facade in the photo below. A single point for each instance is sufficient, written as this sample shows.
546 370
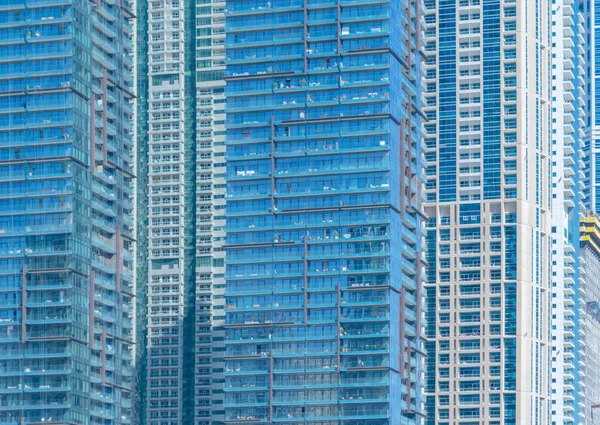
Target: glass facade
487 199
66 289
591 37
324 166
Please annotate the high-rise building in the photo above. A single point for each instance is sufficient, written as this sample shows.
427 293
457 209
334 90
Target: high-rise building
590 299
324 168
66 282
210 210
488 147
591 41
569 131
181 198
141 213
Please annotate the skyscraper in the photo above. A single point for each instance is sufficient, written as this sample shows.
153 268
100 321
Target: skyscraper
324 167
210 210
570 129
488 138
66 291
589 350
181 265
591 41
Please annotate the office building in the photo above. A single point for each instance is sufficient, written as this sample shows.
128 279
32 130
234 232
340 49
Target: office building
488 148
324 166
66 282
181 198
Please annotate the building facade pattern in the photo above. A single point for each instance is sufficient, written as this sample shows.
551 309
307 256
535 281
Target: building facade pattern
590 298
487 100
324 165
210 209
166 206
186 200
591 43
66 291
569 117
